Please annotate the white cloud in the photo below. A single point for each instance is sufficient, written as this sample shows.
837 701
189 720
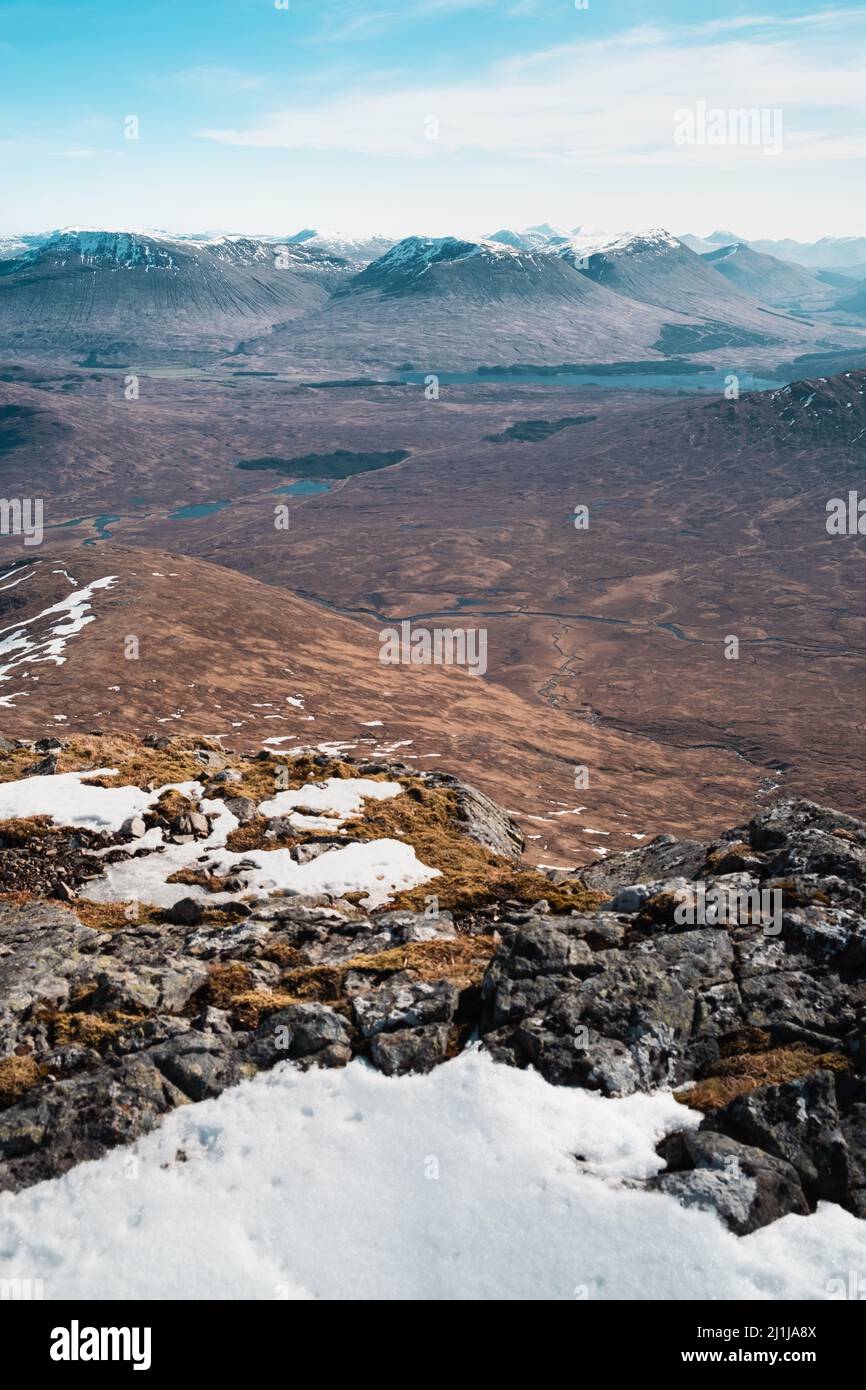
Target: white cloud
610 102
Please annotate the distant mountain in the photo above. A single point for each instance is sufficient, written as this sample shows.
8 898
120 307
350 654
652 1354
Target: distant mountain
656 268
10 247
451 304
356 250
118 291
480 271
768 279
853 302
544 237
830 253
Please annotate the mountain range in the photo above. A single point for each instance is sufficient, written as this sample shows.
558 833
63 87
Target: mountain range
315 303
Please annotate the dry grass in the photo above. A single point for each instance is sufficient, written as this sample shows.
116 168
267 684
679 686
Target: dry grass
137 766
263 778
734 1076
462 960
22 832
18 1075
251 835
87 1029
471 876
226 981
252 1006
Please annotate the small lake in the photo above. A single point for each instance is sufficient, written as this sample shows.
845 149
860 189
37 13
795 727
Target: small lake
194 509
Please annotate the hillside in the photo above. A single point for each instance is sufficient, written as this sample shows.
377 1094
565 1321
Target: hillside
770 280
256 665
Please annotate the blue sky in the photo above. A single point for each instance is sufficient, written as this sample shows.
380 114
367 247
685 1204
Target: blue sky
427 115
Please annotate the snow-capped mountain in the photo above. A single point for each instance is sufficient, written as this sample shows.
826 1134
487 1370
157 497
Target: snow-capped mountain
83 287
656 268
544 237
829 253
359 251
412 264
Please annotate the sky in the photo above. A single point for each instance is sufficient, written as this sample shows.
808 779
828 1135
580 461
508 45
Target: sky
436 116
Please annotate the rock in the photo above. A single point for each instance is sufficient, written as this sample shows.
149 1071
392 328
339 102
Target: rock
60 1125
747 1187
200 1065
405 1005
481 818
186 912
199 824
629 900
227 776
47 767
242 808
312 1033
799 1122
133 828
772 828
662 858
210 758
410 1049
304 854
615 1020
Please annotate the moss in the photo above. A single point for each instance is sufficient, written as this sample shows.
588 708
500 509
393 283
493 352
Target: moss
251 835
15 833
18 1075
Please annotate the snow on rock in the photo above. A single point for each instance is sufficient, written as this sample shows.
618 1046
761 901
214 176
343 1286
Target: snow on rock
459 1184
376 868
336 797
67 799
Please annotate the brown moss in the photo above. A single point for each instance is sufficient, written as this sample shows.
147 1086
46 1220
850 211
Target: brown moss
262 778
738 1075
173 803
280 953
251 835
113 916
18 1075
137 765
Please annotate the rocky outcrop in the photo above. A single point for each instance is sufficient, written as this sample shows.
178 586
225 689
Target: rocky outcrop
734 972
